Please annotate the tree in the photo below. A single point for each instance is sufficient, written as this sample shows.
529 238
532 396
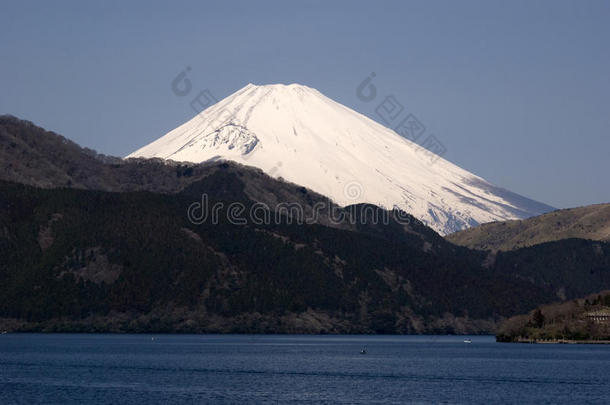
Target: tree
537 319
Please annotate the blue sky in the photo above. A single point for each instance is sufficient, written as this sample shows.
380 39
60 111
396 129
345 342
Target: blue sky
518 92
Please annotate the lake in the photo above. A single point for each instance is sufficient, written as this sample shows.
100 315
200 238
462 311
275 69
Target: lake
147 369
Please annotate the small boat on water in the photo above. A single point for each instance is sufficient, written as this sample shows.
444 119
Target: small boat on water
467 341
363 351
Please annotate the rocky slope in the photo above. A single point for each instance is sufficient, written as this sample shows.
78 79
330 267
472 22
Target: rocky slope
590 222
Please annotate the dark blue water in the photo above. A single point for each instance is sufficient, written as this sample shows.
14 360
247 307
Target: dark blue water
145 369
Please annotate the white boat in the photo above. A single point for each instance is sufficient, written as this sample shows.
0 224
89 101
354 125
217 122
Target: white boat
467 341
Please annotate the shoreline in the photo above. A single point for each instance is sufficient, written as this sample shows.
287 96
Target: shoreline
556 341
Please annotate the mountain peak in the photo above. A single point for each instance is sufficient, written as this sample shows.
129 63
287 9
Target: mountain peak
283 93
280 86
295 132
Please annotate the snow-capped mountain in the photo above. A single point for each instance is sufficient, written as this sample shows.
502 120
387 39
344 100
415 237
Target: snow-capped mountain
297 133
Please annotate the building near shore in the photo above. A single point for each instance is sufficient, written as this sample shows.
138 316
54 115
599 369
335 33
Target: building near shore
601 316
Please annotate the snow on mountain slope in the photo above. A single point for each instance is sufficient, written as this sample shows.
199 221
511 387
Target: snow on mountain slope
297 133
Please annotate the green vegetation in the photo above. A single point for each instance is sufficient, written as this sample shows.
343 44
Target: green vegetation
90 260
579 320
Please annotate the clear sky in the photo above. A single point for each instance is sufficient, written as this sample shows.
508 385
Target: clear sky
518 92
